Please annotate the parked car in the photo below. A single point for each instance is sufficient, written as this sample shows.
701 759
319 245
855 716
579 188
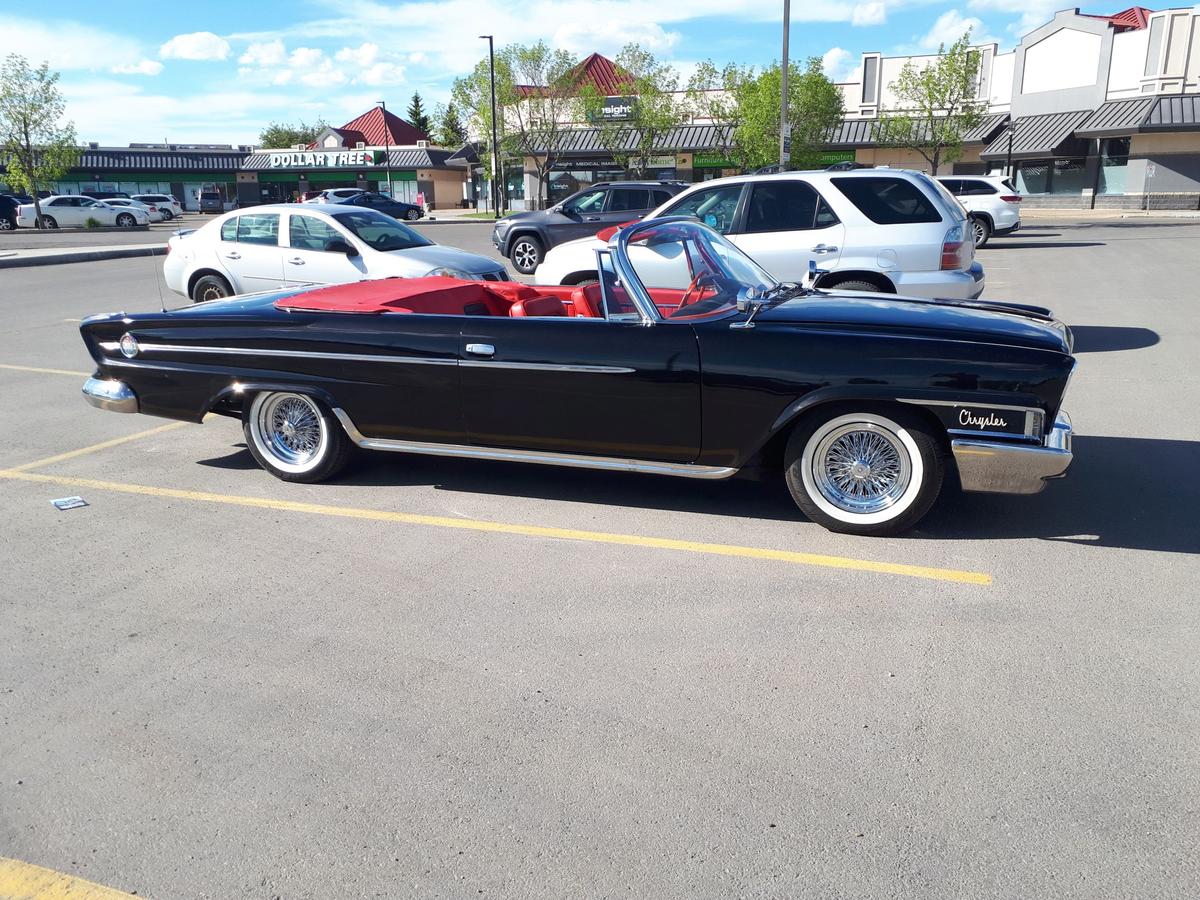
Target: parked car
104 195
71 211
211 202
525 237
153 211
274 246
8 212
384 204
991 202
331 195
892 231
20 198
866 402
167 205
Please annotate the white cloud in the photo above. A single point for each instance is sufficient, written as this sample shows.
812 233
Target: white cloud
874 13
198 45
381 74
66 46
417 58
141 67
836 63
363 55
305 57
264 53
583 35
949 27
1033 13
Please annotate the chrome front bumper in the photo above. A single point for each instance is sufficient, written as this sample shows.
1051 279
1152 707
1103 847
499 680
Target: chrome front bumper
115 396
1003 468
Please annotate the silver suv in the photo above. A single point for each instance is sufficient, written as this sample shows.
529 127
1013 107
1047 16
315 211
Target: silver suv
887 230
991 202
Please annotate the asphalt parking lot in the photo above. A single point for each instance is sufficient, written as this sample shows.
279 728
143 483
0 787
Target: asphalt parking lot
441 678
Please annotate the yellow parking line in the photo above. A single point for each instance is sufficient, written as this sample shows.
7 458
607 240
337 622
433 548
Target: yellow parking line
103 445
599 537
25 881
45 371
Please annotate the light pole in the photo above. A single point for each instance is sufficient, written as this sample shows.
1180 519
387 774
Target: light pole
784 148
497 175
387 145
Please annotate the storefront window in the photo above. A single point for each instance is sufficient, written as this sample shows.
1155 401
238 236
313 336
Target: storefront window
1070 177
1114 162
1033 178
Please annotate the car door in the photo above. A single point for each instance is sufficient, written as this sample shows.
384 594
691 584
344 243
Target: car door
580 216
786 224
609 386
68 211
625 204
255 259
306 260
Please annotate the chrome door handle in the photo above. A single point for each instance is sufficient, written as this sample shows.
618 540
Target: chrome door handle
233 256
824 248
481 349
296 261
591 219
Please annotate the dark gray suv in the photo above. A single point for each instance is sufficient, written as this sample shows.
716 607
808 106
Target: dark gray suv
525 237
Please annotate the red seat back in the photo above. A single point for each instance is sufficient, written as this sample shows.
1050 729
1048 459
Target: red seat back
538 306
588 301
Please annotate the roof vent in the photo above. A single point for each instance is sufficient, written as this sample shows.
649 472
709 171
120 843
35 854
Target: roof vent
93 145
360 145
422 144
300 146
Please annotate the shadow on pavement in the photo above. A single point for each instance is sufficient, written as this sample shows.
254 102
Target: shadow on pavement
1107 338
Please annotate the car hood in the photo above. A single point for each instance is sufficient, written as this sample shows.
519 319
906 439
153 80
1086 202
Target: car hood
527 216
986 322
437 256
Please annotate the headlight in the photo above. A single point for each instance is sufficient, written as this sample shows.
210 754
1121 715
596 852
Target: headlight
453 273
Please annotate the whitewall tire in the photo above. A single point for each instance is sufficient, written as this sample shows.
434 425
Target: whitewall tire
294 437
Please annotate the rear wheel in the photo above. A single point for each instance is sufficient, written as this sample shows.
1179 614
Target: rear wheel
7 224
855 286
125 220
412 215
48 222
869 471
167 215
211 287
295 437
982 230
526 254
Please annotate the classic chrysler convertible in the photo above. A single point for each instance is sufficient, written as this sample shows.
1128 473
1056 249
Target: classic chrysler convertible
685 359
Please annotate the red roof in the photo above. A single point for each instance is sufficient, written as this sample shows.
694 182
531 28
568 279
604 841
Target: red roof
375 128
598 71
1133 19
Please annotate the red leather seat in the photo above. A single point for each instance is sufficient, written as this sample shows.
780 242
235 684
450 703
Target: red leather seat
587 299
540 306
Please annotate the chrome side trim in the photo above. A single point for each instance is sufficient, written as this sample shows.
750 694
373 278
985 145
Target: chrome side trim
297 354
544 367
541 457
115 396
963 403
1010 468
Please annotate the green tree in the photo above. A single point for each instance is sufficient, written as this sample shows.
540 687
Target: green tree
472 93
449 130
712 95
935 104
654 109
814 107
38 147
417 117
285 134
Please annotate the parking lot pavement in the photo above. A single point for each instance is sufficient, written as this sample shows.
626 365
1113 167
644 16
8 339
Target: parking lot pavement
441 677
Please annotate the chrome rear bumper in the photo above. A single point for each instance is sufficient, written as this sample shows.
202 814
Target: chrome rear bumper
1003 468
115 396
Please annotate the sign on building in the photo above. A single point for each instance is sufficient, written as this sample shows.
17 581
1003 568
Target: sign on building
326 159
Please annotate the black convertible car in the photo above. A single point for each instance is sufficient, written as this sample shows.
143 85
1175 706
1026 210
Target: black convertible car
686 359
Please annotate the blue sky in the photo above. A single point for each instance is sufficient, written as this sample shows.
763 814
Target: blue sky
217 71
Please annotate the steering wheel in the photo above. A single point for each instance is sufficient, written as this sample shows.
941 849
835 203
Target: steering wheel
695 287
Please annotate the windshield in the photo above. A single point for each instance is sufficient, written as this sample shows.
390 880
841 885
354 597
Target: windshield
689 271
380 231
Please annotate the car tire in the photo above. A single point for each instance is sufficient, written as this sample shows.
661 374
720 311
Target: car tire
211 287
854 286
7 224
864 470
167 215
48 222
125 220
983 231
526 254
295 437
412 215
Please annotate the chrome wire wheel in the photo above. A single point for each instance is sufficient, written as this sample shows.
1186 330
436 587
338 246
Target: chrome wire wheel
861 468
290 430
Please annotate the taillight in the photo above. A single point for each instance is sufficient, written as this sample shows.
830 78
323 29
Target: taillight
1011 198
952 249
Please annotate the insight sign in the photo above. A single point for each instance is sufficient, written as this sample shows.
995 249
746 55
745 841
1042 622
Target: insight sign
325 159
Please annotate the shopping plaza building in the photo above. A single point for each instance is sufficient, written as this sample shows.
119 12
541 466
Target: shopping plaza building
1086 111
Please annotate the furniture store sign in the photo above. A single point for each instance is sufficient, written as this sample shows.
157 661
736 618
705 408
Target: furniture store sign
326 159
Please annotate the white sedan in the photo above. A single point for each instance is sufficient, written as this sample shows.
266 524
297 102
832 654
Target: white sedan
151 209
74 211
281 245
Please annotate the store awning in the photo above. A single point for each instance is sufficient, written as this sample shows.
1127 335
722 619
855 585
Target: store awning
1036 136
404 158
986 130
870 133
1116 117
1174 113
684 137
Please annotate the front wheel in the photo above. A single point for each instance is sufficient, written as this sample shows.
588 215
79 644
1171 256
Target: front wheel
294 437
866 471
412 215
48 222
982 230
526 254
7 224
125 220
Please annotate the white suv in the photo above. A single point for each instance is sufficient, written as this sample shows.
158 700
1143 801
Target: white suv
886 230
991 202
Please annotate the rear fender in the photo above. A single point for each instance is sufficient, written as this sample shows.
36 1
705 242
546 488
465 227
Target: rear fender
229 400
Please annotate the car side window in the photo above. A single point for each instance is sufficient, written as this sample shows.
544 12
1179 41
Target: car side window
715 207
658 198
258 228
784 206
971 188
592 201
309 233
626 199
229 229
953 185
888 201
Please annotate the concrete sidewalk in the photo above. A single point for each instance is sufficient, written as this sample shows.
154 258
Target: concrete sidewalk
1101 215
50 256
